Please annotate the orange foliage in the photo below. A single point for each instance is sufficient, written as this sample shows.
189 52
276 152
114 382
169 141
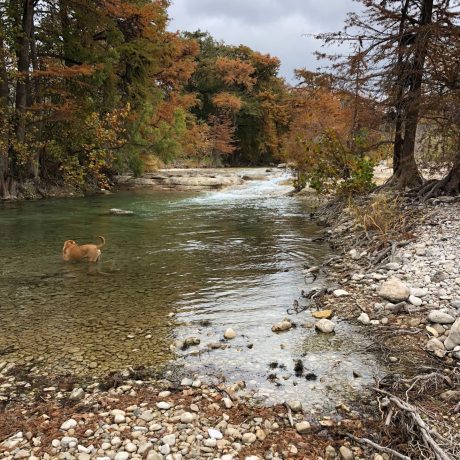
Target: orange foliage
227 102
236 72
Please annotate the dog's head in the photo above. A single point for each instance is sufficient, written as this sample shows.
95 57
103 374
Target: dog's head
67 244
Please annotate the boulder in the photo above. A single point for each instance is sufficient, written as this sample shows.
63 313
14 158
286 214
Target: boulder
394 290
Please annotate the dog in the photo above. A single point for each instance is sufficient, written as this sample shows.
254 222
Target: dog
91 252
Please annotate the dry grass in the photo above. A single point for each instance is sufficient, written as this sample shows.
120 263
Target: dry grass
384 219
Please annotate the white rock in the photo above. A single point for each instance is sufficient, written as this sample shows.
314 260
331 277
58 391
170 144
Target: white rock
394 290
416 301
130 447
163 405
325 325
119 418
214 434
77 394
249 438
341 293
169 439
69 424
453 339
122 456
187 417
363 318
419 292
186 382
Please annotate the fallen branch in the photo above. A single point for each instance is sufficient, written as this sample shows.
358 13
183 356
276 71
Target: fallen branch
289 414
378 447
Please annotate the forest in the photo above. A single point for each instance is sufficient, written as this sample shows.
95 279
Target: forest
92 88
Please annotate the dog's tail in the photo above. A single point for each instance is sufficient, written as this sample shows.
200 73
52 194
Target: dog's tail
99 246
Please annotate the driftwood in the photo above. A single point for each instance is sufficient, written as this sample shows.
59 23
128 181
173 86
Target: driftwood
378 447
428 436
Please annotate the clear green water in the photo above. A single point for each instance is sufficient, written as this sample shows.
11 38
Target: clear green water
231 258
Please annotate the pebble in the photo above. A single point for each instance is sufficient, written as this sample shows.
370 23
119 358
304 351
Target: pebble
284 325
214 434
341 293
363 318
229 334
163 405
69 424
440 317
346 453
302 427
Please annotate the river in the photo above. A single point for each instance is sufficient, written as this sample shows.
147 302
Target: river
183 265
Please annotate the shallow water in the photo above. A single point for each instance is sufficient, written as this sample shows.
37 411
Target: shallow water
231 258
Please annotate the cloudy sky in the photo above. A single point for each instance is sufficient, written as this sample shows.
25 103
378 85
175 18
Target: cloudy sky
277 27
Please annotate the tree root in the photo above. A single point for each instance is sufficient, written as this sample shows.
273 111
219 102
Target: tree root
435 188
417 426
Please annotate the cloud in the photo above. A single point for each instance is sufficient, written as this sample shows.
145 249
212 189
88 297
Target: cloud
280 28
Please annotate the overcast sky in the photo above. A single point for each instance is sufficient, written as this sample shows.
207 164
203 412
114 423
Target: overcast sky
277 27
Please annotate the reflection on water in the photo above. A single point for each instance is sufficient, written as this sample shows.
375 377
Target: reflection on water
232 258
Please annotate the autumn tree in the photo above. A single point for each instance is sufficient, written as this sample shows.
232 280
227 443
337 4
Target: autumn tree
393 40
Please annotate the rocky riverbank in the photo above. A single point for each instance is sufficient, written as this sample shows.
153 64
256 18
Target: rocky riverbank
407 297
133 416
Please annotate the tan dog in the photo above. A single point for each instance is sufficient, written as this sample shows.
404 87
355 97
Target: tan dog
90 252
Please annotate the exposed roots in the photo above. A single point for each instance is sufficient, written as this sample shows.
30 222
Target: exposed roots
435 188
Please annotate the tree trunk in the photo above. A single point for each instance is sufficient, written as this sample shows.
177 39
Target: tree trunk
4 121
23 85
401 68
406 173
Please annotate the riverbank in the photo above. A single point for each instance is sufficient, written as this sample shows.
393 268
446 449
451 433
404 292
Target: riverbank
168 179
405 290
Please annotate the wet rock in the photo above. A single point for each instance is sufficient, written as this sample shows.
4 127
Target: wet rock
325 325
120 212
322 314
229 334
440 317
284 325
190 342
394 290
